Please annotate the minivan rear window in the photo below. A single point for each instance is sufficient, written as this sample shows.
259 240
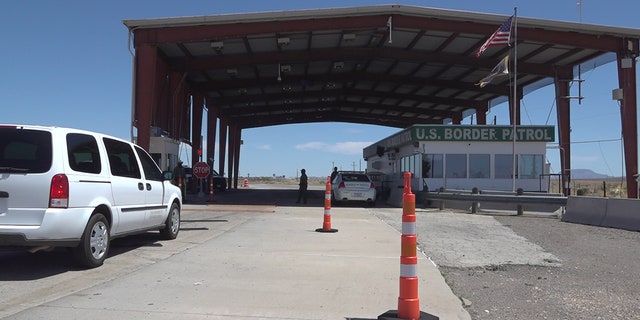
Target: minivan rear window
25 150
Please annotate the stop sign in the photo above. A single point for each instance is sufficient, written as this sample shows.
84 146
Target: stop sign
201 170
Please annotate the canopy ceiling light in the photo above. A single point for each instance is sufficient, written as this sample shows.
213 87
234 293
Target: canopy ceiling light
217 46
283 41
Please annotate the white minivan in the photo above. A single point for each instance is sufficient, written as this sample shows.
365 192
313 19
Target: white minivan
62 187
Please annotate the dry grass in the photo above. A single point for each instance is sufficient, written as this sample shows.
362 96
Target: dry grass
609 187
286 181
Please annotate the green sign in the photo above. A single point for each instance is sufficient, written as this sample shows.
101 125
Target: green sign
457 133
482 133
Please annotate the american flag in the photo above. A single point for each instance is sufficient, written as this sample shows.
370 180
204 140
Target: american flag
498 38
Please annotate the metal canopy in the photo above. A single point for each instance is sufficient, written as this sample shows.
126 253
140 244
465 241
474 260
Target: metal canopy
389 65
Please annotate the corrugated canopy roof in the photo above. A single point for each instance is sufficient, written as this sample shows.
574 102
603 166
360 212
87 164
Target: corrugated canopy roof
348 65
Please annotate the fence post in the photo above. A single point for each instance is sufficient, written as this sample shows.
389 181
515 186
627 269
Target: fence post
441 201
210 188
474 204
520 209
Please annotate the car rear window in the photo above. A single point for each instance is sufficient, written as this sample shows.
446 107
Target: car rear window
25 150
355 177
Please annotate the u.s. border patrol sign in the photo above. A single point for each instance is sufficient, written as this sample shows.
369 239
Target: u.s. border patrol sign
480 133
459 133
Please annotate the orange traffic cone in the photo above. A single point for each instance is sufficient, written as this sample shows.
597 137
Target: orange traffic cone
326 225
408 302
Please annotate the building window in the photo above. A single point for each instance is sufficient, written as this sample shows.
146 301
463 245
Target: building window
432 166
411 164
479 166
456 166
503 166
530 165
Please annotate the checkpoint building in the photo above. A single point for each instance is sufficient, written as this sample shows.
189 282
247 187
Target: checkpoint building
462 157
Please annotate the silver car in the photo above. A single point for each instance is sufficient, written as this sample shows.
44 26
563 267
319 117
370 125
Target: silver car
352 186
63 187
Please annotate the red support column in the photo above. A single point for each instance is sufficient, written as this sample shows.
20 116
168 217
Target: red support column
177 107
196 133
515 102
456 118
145 70
212 119
628 104
231 155
564 126
481 115
236 155
223 146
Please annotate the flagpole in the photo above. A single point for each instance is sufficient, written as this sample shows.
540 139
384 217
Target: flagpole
515 94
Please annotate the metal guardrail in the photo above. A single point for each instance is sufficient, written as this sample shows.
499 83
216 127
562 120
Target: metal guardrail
518 199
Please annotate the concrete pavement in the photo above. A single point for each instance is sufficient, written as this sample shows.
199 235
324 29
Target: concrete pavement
272 266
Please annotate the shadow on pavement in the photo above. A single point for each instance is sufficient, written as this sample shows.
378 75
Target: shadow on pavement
248 196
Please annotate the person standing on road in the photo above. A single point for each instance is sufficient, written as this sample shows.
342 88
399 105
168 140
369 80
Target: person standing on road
302 190
178 178
334 173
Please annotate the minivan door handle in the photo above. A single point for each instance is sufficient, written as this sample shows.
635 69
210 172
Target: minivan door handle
148 186
140 186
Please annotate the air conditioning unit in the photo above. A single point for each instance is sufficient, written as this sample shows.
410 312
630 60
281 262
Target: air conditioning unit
617 94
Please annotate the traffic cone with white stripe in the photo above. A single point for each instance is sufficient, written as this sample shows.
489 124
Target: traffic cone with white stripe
326 225
408 301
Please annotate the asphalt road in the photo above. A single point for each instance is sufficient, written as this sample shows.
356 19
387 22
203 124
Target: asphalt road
530 267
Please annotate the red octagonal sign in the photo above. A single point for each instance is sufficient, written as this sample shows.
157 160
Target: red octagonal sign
201 170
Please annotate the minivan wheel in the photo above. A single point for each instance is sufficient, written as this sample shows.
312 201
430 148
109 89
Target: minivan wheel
94 244
172 224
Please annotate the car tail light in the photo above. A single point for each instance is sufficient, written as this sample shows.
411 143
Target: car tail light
341 185
372 186
59 194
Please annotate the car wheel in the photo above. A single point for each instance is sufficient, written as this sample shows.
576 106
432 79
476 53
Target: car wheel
172 224
94 243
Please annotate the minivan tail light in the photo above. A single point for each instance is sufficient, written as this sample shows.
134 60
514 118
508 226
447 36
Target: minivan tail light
59 194
372 186
341 185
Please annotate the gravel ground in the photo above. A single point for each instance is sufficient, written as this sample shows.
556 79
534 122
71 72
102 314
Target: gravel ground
525 267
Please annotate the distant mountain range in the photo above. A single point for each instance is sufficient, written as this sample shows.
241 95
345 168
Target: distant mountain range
586 174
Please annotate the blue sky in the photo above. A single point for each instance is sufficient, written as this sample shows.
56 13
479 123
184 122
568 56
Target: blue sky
67 63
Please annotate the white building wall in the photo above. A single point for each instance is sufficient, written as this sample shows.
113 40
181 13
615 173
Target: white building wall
491 148
403 144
